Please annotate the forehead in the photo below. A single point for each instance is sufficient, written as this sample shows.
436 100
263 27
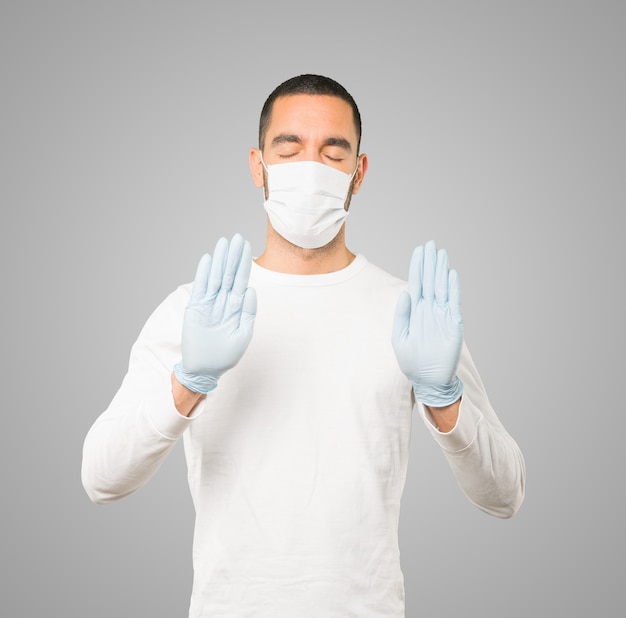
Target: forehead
312 115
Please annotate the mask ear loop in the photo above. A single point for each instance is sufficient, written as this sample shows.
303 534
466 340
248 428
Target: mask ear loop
355 168
263 162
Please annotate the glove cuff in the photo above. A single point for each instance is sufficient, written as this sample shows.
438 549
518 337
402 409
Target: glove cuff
194 382
439 396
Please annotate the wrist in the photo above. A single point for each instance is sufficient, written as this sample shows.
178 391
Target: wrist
185 399
198 383
438 396
444 418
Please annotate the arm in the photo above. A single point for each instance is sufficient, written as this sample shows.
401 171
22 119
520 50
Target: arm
129 441
155 405
485 460
428 341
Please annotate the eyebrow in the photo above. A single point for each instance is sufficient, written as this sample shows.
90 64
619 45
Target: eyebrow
290 138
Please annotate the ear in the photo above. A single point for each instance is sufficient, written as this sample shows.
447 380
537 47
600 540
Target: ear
361 170
256 167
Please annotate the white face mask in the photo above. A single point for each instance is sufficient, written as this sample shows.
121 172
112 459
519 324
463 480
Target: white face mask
306 200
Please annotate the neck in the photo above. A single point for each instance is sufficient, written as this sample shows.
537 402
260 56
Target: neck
284 257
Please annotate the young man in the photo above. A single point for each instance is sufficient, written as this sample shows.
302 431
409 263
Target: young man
292 380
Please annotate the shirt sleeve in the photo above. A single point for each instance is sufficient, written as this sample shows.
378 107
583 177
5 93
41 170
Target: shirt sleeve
485 460
130 440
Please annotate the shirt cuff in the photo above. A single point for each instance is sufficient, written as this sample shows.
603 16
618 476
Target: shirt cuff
162 414
463 433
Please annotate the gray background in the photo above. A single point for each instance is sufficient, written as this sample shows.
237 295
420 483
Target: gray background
496 128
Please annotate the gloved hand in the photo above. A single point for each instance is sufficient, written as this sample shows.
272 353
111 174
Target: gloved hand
428 328
219 317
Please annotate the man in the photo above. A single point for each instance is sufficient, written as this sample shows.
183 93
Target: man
292 380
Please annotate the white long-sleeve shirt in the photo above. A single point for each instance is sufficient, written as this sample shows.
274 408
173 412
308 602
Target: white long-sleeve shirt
297 461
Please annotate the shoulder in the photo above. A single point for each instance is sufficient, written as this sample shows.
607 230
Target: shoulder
167 317
381 278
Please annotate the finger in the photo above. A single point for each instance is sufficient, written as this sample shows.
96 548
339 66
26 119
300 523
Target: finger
198 289
441 277
415 273
232 262
242 275
430 265
454 296
217 267
402 318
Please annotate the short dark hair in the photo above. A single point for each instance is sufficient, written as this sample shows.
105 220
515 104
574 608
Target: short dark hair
308 84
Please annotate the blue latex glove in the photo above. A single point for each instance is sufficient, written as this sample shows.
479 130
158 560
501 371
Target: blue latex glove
428 328
219 317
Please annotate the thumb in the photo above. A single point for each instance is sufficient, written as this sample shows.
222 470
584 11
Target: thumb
248 310
402 317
